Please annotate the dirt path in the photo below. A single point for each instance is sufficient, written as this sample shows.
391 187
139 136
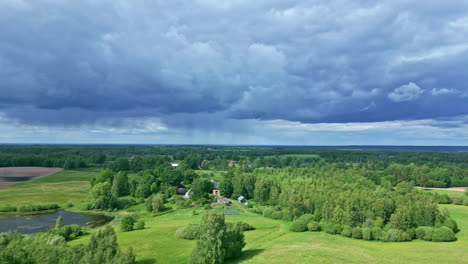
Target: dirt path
24 172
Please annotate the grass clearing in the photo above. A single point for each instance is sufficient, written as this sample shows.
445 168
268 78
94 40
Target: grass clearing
271 242
70 186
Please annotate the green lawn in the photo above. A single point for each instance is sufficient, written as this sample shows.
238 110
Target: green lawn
62 187
271 242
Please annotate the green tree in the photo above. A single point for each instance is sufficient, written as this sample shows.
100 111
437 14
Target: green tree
217 241
103 176
209 248
126 223
157 203
104 249
201 188
101 196
121 164
120 186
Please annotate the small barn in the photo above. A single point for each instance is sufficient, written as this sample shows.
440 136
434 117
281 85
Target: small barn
242 200
216 193
173 165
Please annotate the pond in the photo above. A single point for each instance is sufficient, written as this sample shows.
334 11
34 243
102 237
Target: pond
31 224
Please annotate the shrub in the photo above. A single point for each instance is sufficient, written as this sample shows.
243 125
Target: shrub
465 201
190 232
421 231
126 223
377 233
124 202
450 223
7 208
330 228
298 226
443 234
367 233
243 226
68 232
444 199
347 231
357 233
457 200
268 212
307 218
37 207
207 206
395 235
140 225
313 226
280 215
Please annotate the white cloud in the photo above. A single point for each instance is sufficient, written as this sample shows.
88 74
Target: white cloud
442 91
404 93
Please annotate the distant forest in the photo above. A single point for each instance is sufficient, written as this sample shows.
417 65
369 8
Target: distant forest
436 167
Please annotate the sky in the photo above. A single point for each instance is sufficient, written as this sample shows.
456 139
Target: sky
265 72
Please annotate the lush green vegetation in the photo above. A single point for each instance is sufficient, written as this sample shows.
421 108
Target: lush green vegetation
305 205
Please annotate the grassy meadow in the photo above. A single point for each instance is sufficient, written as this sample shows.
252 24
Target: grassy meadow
69 186
271 242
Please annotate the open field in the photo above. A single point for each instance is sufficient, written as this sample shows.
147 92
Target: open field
25 173
453 189
61 188
271 242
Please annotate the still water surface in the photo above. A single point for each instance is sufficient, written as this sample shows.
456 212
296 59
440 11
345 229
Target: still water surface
42 223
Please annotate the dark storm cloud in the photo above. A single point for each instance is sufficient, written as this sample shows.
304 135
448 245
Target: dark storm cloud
79 62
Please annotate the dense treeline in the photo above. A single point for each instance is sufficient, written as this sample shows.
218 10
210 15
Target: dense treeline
340 199
219 155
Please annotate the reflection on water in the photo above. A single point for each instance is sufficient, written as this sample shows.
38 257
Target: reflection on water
42 223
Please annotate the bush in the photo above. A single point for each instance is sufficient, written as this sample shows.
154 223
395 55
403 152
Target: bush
444 199
331 228
268 212
243 226
357 233
126 223
7 208
124 202
395 235
280 215
465 201
443 234
421 232
307 218
347 231
450 223
377 233
298 226
30 208
68 232
367 233
190 232
313 226
457 200
207 206
140 225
